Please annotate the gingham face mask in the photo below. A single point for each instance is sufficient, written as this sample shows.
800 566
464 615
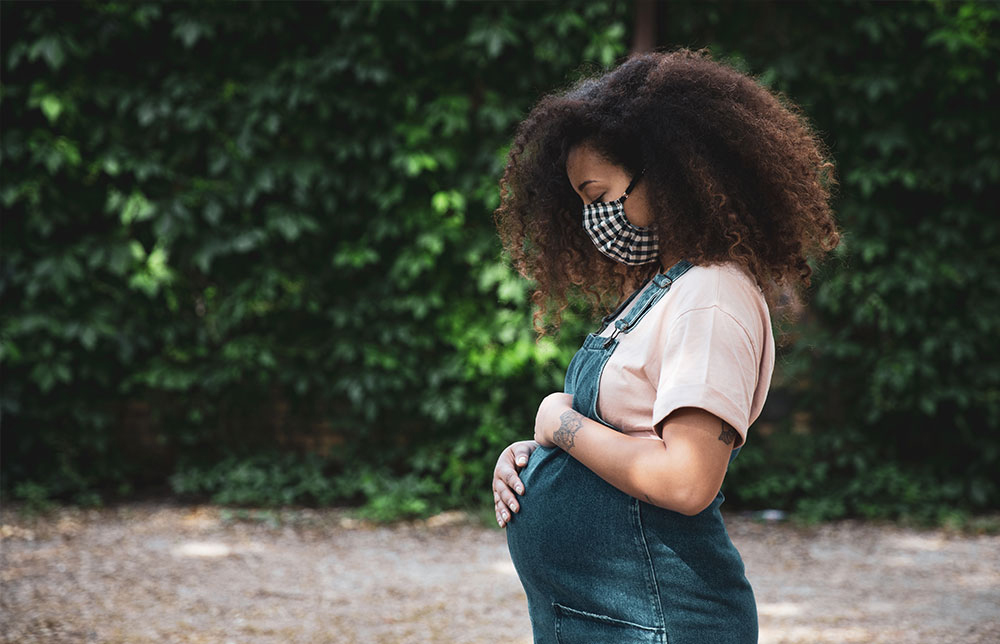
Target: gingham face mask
617 237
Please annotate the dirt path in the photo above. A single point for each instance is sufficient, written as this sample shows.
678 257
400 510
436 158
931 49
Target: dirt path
159 572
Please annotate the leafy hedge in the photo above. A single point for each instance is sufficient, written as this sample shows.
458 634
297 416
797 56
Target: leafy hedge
898 366
248 251
210 212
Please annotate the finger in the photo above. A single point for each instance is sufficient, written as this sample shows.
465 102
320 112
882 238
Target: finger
513 481
500 486
505 478
502 513
506 495
522 452
508 501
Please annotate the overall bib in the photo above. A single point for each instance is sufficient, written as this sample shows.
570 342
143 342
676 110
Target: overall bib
601 567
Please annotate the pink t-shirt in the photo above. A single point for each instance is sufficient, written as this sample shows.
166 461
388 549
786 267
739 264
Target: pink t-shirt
705 343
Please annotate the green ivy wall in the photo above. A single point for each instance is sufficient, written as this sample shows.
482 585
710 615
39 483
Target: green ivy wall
247 249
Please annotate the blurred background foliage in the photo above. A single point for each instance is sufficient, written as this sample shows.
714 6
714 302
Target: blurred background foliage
248 254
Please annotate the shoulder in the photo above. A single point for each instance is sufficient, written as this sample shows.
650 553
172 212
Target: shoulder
726 287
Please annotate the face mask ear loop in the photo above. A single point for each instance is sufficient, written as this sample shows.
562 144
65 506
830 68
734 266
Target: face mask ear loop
632 185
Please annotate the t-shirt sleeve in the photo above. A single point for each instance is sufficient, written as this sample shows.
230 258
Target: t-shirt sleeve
708 361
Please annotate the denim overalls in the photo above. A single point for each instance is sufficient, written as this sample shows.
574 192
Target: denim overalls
601 567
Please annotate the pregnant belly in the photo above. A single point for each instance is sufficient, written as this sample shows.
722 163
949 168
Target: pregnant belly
582 548
575 534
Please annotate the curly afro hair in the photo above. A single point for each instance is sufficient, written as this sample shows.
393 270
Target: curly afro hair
735 174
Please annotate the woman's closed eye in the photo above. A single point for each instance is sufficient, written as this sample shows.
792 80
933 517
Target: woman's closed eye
599 198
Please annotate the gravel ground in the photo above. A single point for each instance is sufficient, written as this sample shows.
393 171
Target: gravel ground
157 571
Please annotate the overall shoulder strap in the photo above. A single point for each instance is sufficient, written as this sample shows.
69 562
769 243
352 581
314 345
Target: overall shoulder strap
661 284
621 307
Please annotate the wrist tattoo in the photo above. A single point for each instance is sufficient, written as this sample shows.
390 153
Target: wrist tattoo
570 425
728 434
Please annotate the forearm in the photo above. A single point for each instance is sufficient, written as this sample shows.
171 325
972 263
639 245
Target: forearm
640 467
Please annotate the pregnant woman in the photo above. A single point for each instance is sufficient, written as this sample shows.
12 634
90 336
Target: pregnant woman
689 195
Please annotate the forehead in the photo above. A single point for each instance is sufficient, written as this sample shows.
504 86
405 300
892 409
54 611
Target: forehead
585 160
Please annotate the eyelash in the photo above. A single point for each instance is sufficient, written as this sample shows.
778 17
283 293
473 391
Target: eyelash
599 198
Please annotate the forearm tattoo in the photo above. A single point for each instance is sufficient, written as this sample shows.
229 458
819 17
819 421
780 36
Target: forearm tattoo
571 423
728 434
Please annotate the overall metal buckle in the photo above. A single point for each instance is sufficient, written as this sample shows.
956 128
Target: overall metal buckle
620 325
669 279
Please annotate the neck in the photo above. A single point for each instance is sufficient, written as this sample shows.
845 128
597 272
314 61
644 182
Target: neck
667 262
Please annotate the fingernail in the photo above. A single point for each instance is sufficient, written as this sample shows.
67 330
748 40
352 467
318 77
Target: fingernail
499 523
522 461
520 489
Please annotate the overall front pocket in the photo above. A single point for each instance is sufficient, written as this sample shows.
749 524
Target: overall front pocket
580 627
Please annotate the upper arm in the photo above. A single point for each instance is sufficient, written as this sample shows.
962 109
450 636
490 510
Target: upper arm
699 445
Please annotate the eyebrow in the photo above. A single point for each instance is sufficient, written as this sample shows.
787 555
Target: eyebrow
580 187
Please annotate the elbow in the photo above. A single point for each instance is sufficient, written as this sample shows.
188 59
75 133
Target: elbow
696 504
689 501
679 483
